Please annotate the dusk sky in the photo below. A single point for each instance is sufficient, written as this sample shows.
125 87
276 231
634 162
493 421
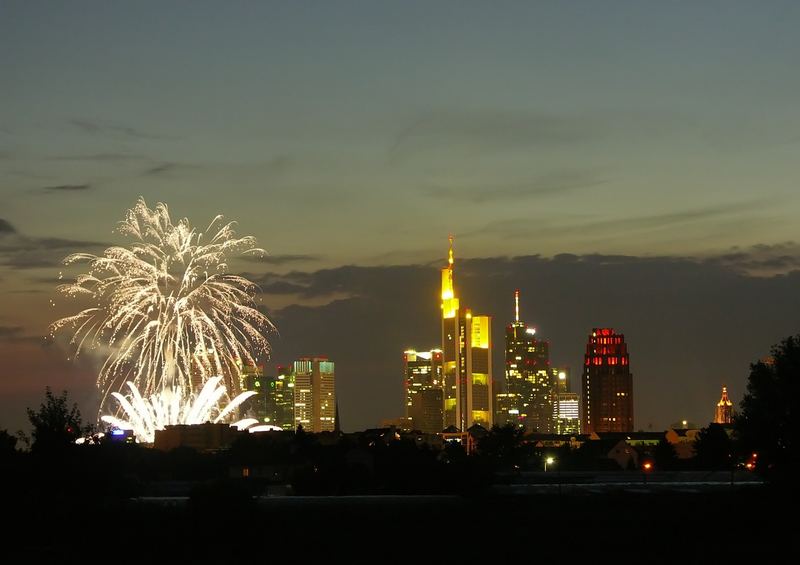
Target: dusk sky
624 164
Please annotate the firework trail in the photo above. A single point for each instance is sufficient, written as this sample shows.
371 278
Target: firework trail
165 312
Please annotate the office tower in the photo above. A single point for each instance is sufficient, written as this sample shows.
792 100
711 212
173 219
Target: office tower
561 380
314 394
506 409
274 400
566 413
724 411
529 376
607 383
423 386
466 359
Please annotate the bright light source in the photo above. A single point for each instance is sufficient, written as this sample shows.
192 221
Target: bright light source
117 432
531 331
647 466
562 376
550 460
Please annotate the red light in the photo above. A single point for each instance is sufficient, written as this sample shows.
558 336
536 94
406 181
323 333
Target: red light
647 466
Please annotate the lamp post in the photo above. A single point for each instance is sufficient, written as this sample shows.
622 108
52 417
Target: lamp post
548 461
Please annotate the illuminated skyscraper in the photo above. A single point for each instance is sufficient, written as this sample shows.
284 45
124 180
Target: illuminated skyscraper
423 385
467 359
607 384
566 413
724 412
529 377
314 394
274 400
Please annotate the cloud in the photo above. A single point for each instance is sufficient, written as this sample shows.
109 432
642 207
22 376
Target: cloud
22 252
98 127
761 259
555 183
161 168
109 157
280 259
15 334
618 227
691 324
6 227
67 187
490 130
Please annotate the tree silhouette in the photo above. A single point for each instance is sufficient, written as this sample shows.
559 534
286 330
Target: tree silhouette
665 455
55 424
713 448
767 424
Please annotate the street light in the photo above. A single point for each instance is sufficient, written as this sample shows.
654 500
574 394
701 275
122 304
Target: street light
646 468
548 461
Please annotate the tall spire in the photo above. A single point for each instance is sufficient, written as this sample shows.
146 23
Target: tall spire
724 411
516 305
450 253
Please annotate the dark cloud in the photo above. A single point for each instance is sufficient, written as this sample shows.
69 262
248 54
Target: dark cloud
491 130
161 168
525 227
97 127
761 259
280 259
67 187
6 227
555 183
21 252
692 325
15 334
108 157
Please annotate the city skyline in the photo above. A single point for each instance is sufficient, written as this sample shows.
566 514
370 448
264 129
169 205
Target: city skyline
624 166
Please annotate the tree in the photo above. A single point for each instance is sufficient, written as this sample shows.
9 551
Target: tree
55 424
665 455
713 448
8 444
767 424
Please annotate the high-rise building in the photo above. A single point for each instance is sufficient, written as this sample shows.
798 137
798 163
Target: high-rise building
273 403
529 376
506 409
724 411
423 385
566 413
607 386
314 394
466 359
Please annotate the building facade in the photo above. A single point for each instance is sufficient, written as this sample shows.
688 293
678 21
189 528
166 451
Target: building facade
314 394
466 359
566 413
607 384
423 389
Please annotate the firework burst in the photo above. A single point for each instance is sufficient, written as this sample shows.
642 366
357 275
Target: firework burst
165 312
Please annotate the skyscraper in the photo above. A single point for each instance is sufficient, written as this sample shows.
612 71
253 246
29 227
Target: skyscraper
724 411
566 413
274 400
423 386
607 383
314 394
529 376
466 359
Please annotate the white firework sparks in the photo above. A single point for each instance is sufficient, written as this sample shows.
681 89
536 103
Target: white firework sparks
167 312
173 406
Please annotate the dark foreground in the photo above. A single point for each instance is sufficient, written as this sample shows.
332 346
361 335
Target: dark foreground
720 525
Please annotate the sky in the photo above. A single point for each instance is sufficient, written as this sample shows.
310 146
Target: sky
624 164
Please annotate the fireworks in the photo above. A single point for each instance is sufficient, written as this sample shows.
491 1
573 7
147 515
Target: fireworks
165 313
